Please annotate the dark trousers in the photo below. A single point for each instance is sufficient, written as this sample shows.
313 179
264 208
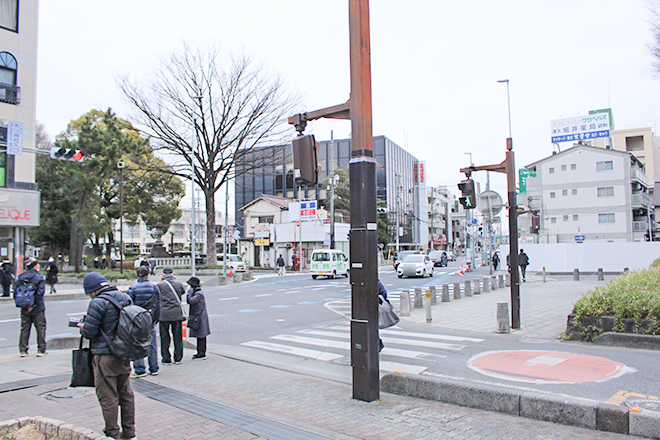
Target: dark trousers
523 270
39 321
6 288
201 346
113 389
177 335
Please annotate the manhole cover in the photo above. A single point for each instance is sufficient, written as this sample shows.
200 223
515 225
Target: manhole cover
343 361
68 393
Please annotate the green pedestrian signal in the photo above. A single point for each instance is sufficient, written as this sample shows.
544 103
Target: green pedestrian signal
468 197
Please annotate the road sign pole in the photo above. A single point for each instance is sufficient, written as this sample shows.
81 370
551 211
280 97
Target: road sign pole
513 234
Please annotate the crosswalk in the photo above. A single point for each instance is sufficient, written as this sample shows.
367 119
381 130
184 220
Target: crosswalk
404 351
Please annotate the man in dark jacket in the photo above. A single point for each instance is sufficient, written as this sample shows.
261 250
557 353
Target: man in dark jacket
523 262
35 315
7 277
146 294
171 316
111 374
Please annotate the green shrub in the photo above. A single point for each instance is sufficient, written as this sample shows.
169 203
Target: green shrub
633 295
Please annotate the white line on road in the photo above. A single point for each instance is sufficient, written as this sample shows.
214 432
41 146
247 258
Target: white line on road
263 294
10 320
303 352
227 299
399 341
318 288
393 367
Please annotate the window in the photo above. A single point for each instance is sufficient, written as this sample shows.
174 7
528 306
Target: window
564 192
551 170
8 67
604 166
575 217
573 166
565 218
606 218
563 167
553 219
9 15
574 192
606 192
266 219
553 195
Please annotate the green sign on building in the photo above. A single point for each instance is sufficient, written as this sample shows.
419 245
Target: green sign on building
523 174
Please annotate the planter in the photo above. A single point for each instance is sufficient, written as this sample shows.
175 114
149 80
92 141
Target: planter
602 324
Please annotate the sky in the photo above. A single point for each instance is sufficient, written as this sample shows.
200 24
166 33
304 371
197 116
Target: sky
435 65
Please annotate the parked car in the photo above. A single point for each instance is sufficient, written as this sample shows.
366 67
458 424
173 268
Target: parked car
234 261
415 266
400 256
329 263
451 256
439 258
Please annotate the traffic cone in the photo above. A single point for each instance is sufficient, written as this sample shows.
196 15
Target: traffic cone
231 272
184 329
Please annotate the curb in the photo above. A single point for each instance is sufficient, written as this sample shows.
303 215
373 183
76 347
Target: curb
571 411
50 428
629 340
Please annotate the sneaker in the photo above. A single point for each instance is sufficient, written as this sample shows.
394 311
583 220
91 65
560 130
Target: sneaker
23 355
199 357
40 354
136 375
153 373
177 362
166 363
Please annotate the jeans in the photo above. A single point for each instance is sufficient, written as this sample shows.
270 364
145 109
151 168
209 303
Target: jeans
113 389
39 321
164 328
138 365
523 269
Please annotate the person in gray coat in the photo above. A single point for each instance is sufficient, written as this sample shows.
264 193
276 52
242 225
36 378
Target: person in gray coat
198 323
171 316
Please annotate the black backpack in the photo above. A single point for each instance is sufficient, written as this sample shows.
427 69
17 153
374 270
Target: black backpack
24 294
133 336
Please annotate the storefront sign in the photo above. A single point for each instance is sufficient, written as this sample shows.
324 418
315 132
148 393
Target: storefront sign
19 207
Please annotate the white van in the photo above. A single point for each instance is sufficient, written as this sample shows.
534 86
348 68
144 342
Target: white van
329 263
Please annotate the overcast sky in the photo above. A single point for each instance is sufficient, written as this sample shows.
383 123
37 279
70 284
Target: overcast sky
435 65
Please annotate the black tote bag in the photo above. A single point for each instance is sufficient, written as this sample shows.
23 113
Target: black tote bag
83 373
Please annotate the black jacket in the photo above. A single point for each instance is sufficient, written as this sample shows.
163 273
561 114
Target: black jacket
101 314
34 277
142 292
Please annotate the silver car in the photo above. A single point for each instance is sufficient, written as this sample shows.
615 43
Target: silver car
415 266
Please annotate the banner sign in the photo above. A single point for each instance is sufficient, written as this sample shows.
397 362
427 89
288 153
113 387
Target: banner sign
523 174
580 128
308 210
15 138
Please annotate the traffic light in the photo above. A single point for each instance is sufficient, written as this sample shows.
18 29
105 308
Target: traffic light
62 153
469 198
382 210
480 231
304 159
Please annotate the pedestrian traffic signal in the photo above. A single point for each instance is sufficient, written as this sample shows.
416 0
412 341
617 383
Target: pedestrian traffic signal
468 197
304 159
62 153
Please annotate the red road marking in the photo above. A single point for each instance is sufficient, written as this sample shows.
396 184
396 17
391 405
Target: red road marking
546 366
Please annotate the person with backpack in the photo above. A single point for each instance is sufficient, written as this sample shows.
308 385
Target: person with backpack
29 296
7 277
198 323
111 373
146 294
523 262
171 316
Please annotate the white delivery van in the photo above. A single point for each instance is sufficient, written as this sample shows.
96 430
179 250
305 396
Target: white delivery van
329 263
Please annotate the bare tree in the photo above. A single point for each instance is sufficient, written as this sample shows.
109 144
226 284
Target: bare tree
225 104
654 46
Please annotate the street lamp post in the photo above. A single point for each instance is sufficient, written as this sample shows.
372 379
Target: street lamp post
193 238
332 184
120 165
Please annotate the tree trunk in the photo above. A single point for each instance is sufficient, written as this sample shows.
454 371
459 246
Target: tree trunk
76 241
211 250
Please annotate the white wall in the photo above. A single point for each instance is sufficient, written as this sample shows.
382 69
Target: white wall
564 257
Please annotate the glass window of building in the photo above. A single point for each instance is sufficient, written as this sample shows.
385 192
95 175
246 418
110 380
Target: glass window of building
563 167
573 166
607 165
606 192
551 170
553 220
268 219
553 195
574 192
576 217
9 15
564 192
606 218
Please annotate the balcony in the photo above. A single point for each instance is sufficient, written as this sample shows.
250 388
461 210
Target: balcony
641 199
637 173
10 94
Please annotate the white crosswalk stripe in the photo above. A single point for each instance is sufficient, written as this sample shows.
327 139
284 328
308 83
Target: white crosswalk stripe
332 342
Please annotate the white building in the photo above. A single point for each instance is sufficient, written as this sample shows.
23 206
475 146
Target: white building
589 193
19 197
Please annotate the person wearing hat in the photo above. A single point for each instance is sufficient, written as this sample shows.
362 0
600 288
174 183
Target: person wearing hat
51 274
111 374
198 323
35 315
171 316
146 294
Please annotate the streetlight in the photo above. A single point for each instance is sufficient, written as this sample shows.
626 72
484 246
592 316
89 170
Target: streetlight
508 99
332 184
120 165
193 241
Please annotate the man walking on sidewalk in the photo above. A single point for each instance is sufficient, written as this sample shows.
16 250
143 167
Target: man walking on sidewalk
111 374
281 270
523 262
171 316
146 294
35 314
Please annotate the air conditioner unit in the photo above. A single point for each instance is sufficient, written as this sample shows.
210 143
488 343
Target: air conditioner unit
289 245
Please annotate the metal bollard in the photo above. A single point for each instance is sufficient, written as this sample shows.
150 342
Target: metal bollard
601 276
434 295
486 285
544 274
418 304
576 274
457 290
468 289
477 287
445 293
507 280
500 281
404 303
493 283
503 318
427 305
